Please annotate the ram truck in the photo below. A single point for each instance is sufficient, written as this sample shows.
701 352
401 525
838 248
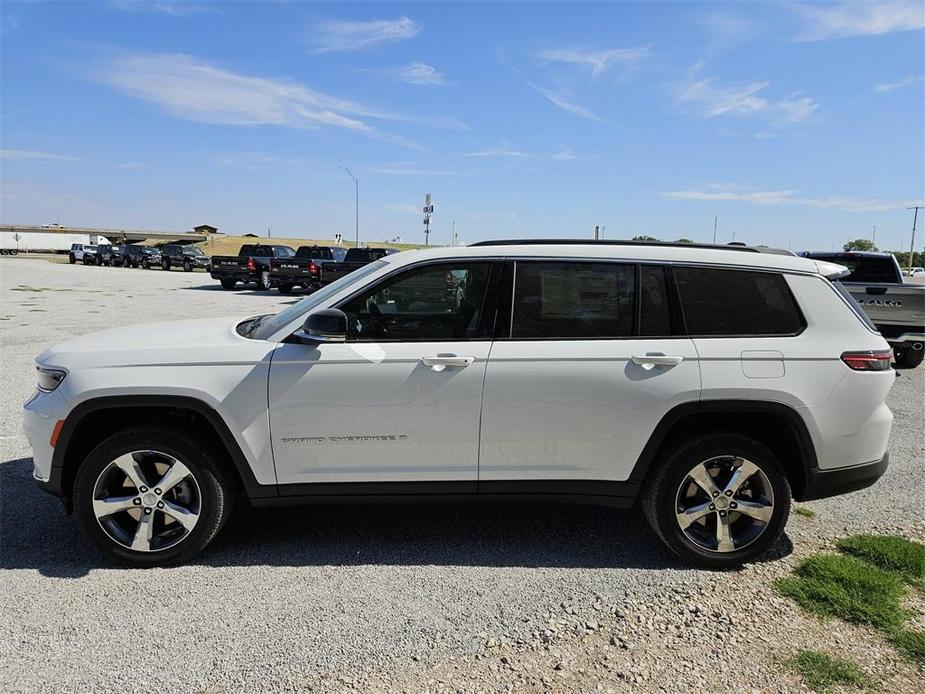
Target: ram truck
896 307
251 264
354 260
304 269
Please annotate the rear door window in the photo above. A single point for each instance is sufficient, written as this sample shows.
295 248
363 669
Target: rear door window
737 302
573 300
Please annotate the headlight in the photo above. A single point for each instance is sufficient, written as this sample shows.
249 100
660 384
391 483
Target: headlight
49 379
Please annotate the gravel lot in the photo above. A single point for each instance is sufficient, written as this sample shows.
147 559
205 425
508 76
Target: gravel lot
383 598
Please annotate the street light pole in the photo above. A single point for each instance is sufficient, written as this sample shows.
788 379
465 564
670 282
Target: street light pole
915 218
356 185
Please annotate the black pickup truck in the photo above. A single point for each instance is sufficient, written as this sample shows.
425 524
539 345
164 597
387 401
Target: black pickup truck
354 260
251 264
304 269
187 257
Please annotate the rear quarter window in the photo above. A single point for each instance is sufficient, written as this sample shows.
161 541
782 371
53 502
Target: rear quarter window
737 302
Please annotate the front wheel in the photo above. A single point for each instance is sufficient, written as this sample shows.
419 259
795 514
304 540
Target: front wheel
718 500
149 497
187 266
165 264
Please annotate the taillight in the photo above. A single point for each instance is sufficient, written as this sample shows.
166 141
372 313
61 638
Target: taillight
868 361
312 267
250 264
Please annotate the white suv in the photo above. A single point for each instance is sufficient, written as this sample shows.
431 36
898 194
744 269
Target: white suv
710 384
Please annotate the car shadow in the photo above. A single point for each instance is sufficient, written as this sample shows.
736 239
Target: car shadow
246 290
36 534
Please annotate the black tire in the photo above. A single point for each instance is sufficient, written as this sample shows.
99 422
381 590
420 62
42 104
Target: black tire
187 266
165 264
661 492
228 284
216 492
263 280
907 358
284 288
71 259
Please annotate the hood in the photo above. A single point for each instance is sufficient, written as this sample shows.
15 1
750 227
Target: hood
187 341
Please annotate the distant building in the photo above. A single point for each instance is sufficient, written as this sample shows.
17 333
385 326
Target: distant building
205 229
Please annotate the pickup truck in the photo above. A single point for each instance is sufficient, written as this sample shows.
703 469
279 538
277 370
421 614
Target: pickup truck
354 260
896 307
251 264
187 257
304 269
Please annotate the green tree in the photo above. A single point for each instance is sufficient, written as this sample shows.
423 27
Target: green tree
860 245
684 241
644 238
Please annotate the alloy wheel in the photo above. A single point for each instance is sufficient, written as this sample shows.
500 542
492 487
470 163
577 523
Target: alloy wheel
724 504
147 501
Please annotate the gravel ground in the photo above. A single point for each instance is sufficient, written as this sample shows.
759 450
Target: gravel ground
388 598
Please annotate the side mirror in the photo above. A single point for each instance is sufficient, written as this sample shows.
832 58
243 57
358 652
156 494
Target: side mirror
326 325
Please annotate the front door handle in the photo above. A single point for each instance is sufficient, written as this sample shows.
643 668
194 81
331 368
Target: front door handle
648 361
440 362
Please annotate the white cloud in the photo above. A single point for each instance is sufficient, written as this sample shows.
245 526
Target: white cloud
415 73
712 99
860 19
194 89
183 8
336 36
785 197
565 154
893 86
503 149
28 154
402 208
564 102
596 61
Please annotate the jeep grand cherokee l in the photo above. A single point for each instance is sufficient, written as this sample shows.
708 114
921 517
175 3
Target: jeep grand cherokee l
709 384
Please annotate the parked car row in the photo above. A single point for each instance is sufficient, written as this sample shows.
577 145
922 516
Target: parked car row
132 255
309 267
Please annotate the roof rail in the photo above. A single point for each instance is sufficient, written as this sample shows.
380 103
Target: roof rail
609 242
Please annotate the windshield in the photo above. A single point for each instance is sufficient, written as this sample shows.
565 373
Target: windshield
192 251
271 323
863 268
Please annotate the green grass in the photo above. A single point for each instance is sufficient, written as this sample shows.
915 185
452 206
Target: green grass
911 643
835 585
805 512
822 672
890 553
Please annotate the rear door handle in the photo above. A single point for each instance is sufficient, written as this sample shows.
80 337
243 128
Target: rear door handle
648 361
440 362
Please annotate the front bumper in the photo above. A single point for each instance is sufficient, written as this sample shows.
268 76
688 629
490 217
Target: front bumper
820 484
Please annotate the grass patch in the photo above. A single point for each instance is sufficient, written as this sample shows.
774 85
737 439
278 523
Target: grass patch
890 553
822 672
835 585
805 512
911 643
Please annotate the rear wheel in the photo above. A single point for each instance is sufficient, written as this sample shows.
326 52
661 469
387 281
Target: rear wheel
263 280
907 357
228 284
149 497
71 258
284 288
718 500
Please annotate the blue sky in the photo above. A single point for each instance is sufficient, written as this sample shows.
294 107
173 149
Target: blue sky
797 125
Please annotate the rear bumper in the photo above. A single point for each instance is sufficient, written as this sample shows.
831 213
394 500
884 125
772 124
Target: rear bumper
824 483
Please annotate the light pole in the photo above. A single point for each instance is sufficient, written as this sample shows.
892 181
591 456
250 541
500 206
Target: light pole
356 184
915 218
